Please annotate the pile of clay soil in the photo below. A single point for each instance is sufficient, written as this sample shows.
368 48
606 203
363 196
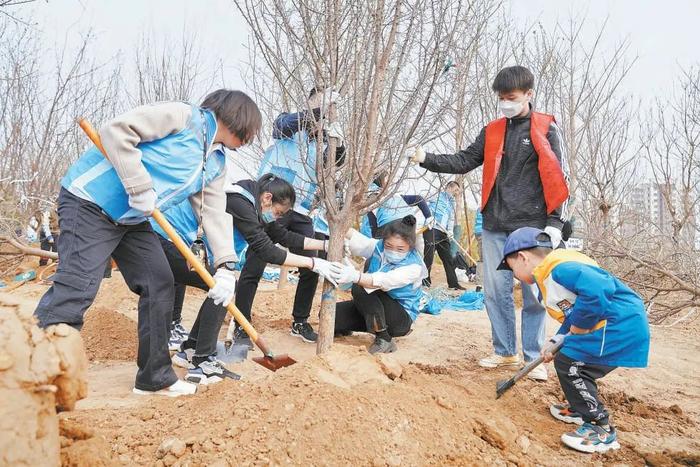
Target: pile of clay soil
41 371
319 412
109 335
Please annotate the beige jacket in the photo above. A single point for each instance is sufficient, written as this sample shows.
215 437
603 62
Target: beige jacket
120 138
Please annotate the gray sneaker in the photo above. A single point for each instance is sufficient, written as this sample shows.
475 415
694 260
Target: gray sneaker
382 346
240 337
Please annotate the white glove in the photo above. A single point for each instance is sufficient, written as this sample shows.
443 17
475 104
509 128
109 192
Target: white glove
344 274
549 347
418 156
346 248
144 201
335 130
323 269
50 238
554 234
225 288
429 222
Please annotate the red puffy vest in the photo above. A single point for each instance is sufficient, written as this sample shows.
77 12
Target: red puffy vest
553 182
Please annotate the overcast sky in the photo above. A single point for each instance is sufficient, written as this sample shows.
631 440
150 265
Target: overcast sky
660 32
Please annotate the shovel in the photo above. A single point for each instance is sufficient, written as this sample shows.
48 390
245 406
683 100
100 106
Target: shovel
268 360
504 385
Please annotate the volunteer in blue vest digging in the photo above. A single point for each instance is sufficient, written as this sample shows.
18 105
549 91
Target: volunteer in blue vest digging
439 236
159 156
293 158
524 185
386 295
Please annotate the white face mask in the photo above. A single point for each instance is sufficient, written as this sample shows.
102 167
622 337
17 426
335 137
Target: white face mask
511 108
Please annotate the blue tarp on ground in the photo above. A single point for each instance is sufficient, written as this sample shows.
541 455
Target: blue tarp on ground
437 301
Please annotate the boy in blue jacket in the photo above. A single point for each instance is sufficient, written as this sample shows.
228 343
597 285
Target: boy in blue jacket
606 325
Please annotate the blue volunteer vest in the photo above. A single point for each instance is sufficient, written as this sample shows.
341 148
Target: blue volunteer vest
409 295
174 164
294 160
320 223
365 228
443 209
392 209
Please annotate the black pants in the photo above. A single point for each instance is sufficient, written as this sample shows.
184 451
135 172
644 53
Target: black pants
372 312
179 300
437 240
88 238
48 246
206 327
578 381
254 267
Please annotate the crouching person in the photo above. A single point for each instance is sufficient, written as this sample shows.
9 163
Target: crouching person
606 325
386 295
159 156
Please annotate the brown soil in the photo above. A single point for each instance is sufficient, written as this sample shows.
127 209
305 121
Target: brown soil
109 335
427 404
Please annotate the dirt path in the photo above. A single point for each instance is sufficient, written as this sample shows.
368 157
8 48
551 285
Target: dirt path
343 410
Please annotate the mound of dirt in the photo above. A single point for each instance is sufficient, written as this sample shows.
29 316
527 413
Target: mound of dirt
40 371
315 412
109 335
80 447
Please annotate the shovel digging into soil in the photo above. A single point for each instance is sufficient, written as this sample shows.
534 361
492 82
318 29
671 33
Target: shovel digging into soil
268 360
504 385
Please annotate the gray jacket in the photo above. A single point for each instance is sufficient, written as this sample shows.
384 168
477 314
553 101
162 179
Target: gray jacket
517 198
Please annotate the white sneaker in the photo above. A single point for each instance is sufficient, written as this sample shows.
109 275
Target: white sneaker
539 373
179 388
497 361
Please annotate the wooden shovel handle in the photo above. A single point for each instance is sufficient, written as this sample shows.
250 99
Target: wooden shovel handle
185 251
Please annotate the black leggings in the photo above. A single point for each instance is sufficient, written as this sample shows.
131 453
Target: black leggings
438 240
372 312
205 329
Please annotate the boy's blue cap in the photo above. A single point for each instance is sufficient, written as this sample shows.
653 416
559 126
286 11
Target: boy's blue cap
523 239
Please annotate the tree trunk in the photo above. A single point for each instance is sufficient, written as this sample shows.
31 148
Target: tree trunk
326 318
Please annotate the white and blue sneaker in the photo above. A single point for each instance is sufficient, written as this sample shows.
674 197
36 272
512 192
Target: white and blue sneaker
180 329
210 371
183 358
591 438
175 340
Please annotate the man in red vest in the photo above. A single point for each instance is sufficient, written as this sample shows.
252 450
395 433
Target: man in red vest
524 185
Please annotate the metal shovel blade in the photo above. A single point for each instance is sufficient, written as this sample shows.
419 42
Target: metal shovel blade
503 385
274 363
232 354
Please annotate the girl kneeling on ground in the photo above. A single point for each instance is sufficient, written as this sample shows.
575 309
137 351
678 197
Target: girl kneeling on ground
386 295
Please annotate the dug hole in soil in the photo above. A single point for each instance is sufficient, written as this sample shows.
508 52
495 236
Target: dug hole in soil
427 404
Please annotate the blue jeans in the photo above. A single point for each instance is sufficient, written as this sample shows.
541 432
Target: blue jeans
498 298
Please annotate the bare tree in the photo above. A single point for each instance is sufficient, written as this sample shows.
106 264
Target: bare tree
385 58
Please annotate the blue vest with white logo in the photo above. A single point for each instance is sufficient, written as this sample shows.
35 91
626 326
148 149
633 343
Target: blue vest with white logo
443 209
409 295
392 209
294 160
174 163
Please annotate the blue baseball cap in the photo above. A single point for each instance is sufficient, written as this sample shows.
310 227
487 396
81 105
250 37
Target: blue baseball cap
522 239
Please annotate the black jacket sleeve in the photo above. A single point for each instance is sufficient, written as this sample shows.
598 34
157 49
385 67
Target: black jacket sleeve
418 200
247 221
462 162
556 140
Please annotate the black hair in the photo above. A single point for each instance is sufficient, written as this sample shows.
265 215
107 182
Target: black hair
282 191
513 78
404 228
315 90
237 111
